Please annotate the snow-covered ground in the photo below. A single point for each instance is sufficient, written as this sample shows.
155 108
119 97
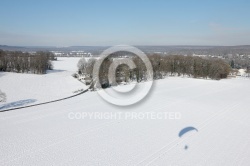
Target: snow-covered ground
26 89
65 133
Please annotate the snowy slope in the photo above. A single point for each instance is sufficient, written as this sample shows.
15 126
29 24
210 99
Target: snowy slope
25 89
46 135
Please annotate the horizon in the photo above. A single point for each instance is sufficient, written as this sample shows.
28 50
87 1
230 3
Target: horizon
140 23
4 45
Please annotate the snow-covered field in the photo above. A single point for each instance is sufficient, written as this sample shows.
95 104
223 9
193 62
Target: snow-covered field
65 133
26 89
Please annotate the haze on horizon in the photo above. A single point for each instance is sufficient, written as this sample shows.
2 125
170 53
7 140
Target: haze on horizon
68 23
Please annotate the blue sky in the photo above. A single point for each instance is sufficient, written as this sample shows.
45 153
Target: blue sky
133 22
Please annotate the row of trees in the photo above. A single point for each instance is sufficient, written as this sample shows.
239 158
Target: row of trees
16 61
174 65
189 66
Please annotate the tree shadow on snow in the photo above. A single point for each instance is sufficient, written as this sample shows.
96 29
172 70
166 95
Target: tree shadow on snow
54 71
17 103
2 74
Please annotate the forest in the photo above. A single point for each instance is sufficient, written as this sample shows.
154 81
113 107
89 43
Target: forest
24 62
162 65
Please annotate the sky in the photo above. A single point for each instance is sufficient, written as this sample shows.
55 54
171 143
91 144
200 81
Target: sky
131 22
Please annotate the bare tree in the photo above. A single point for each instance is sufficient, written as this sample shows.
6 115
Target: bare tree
248 71
82 66
2 96
16 61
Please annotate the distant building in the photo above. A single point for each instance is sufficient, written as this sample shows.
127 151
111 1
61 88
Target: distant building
199 55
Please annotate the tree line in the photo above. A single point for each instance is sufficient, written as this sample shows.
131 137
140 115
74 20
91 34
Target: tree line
191 66
24 62
163 66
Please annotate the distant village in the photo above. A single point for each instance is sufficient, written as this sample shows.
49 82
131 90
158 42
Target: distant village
72 54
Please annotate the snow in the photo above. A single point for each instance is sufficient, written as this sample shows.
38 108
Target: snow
66 64
57 84
48 135
242 72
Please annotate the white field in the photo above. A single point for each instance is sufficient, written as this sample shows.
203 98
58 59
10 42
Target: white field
40 88
47 134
